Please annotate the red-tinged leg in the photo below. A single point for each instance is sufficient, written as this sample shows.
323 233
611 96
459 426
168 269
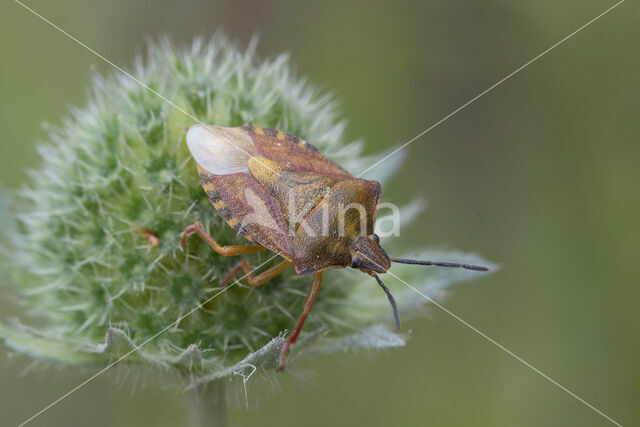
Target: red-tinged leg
308 305
148 235
222 250
261 278
154 241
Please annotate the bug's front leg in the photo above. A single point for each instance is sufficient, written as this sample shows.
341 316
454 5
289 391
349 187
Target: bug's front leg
261 278
232 250
308 305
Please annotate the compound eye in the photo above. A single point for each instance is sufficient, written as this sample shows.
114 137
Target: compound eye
375 238
355 262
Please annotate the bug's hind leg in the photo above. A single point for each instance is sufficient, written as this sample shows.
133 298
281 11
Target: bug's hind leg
222 250
308 305
261 278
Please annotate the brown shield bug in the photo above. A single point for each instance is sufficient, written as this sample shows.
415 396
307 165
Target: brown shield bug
281 193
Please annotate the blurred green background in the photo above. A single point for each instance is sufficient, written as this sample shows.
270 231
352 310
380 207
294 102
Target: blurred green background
540 175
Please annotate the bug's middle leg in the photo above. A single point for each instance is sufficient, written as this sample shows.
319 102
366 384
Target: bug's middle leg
261 278
222 250
308 305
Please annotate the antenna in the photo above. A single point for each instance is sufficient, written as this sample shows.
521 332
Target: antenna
440 264
391 300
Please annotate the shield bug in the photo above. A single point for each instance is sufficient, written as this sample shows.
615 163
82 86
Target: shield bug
282 194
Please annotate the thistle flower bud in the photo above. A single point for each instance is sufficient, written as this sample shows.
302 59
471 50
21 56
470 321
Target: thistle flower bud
93 243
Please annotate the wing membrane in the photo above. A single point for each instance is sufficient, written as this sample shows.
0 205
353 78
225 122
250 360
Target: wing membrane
221 151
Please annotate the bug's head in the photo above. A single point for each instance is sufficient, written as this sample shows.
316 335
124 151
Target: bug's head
368 256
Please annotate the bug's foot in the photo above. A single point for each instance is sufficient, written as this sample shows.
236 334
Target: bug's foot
283 364
154 241
283 355
190 229
145 233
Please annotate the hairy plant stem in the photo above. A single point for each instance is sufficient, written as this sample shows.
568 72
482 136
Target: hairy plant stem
208 405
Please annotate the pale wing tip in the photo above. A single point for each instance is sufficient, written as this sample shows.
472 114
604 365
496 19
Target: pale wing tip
198 137
214 148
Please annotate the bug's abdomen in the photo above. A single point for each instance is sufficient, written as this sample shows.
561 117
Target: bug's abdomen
219 204
249 209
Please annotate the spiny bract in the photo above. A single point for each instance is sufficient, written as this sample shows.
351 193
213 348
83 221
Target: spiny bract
120 167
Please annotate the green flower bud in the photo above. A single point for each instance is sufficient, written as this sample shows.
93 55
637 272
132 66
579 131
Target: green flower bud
94 288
